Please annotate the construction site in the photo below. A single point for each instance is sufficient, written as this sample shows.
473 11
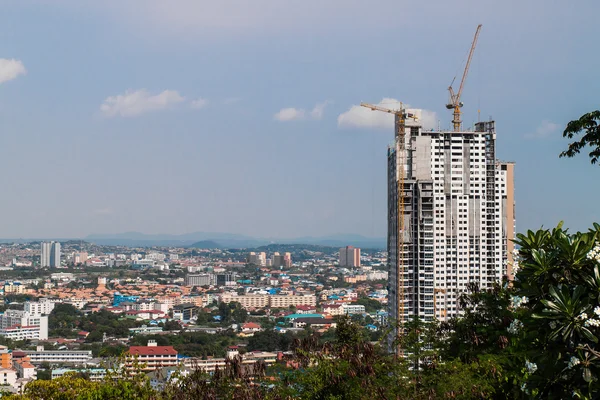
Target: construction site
451 212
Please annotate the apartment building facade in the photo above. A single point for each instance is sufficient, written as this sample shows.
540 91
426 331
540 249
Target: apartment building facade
456 203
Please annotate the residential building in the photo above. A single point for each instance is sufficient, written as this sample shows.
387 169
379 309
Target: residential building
151 357
8 377
43 307
21 325
93 374
249 328
199 279
14 288
24 368
349 257
248 301
80 258
285 301
41 355
350 309
333 309
281 260
50 256
258 259
5 357
455 201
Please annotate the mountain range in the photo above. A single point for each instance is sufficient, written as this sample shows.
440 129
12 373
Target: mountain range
229 240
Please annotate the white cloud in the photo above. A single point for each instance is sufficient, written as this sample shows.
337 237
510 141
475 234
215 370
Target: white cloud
10 69
545 129
134 103
319 109
199 103
290 114
295 114
364 118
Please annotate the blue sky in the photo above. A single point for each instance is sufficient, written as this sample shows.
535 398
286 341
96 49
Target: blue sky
182 116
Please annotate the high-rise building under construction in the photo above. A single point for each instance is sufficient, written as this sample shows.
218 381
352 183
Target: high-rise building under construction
451 218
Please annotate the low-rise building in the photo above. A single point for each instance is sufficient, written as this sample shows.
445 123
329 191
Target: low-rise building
285 301
151 357
41 355
25 369
249 301
93 374
8 376
350 309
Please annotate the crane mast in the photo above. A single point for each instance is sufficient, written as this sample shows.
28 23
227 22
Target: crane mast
455 103
400 123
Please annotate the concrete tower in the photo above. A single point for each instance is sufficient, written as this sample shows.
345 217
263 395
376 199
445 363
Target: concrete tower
458 216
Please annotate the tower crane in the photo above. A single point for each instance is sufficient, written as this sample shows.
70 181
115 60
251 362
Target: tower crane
400 116
455 102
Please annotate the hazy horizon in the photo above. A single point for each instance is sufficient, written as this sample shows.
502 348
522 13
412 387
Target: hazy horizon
242 117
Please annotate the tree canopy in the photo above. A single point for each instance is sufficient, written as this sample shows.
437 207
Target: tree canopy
589 125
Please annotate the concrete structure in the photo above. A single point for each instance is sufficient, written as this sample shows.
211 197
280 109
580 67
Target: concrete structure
184 312
5 357
226 279
247 301
50 256
25 370
80 258
151 357
93 374
20 325
14 287
39 308
40 356
281 260
349 257
285 301
350 309
8 377
199 279
259 259
458 215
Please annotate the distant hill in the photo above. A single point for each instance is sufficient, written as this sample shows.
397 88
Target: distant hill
229 240
206 244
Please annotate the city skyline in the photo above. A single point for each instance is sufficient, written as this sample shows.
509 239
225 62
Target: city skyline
198 118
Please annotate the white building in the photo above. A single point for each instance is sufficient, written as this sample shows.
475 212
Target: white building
457 208
350 309
20 325
50 256
8 376
40 356
43 307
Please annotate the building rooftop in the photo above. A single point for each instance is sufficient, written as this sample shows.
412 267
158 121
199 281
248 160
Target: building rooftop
152 351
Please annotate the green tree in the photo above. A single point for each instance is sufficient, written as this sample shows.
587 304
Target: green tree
588 124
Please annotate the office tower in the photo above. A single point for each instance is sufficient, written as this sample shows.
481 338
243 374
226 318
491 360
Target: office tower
50 256
349 257
455 201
